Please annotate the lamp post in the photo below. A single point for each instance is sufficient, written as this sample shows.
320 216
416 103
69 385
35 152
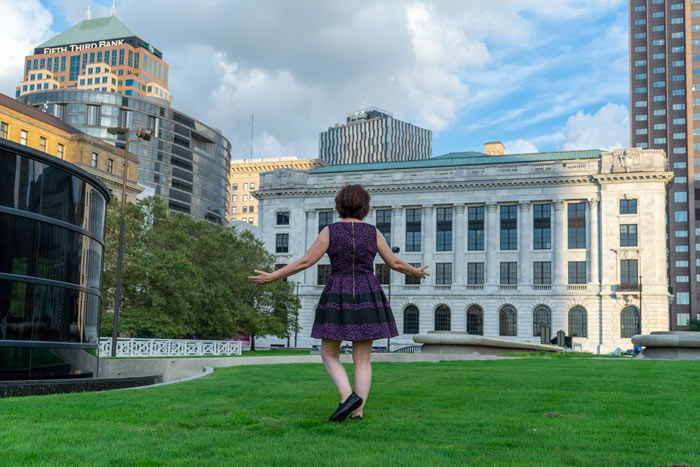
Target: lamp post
144 134
395 250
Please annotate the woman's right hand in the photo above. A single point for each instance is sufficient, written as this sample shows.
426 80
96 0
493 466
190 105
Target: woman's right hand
420 272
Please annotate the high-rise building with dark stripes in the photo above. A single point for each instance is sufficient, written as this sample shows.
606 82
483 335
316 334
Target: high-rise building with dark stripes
665 104
374 135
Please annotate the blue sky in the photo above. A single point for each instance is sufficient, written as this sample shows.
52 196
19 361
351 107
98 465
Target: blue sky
535 74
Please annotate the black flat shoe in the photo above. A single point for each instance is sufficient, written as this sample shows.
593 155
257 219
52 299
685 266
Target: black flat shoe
345 408
353 417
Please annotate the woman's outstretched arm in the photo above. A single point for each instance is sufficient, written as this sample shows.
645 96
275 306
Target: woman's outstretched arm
394 262
311 257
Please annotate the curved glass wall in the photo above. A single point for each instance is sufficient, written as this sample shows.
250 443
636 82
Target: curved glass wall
52 223
186 163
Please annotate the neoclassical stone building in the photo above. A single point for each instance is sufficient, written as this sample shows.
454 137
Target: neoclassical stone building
574 240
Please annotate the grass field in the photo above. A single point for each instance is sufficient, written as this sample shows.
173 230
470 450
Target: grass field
504 412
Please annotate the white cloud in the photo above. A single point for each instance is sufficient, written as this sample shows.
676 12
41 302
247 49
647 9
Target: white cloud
23 26
608 128
520 146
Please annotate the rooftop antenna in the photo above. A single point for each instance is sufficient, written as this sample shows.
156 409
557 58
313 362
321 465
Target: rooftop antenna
88 12
114 8
252 124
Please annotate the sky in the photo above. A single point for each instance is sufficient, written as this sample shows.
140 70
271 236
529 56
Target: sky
537 75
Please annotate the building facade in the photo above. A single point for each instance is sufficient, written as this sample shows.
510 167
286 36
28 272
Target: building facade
97 54
374 135
574 240
244 179
34 128
664 100
52 224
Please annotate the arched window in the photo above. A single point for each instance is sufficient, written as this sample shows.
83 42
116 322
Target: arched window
442 318
630 322
508 321
578 322
542 316
410 320
475 320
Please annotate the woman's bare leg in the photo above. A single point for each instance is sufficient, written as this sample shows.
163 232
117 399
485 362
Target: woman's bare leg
361 351
330 354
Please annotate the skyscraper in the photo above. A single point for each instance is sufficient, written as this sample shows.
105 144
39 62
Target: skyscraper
374 135
99 74
664 47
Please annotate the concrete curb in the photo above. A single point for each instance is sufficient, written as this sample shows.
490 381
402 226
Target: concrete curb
207 371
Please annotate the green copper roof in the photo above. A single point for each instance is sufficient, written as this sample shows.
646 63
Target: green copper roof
91 30
455 159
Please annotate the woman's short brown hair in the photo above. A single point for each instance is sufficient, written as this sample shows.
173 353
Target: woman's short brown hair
352 201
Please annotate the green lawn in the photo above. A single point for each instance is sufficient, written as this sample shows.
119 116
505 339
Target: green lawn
498 412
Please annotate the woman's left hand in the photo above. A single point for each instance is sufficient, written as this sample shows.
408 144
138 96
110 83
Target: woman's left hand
262 277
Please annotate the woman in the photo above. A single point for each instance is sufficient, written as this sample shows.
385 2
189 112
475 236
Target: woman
352 305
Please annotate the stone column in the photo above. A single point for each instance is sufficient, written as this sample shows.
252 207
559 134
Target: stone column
397 240
311 234
560 244
593 243
491 238
458 246
428 243
525 244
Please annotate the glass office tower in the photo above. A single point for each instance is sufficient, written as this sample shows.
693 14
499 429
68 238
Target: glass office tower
52 224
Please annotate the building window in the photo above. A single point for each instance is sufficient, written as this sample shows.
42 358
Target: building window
323 273
245 197
245 186
507 321
442 318
233 210
245 209
542 316
325 218
628 206
283 218
577 225
542 273
578 322
475 320
42 144
252 186
630 322
411 280
509 227
59 151
94 159
4 130
577 272
413 229
93 115
475 273
628 234
384 224
382 272
410 320
628 272
235 186
251 209
250 220
443 274
23 137
509 273
542 225
282 243
475 228
444 229
234 198
110 166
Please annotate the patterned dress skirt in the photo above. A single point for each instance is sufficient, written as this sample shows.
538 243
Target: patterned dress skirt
353 309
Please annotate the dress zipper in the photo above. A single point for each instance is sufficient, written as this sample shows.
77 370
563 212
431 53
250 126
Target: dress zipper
353 260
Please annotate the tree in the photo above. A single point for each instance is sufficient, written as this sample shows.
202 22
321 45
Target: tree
184 278
694 325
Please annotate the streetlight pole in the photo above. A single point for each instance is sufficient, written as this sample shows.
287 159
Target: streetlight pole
395 250
145 135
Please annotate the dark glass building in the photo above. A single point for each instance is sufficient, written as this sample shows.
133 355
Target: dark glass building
186 163
52 224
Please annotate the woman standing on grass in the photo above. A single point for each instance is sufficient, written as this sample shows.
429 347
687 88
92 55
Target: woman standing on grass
353 306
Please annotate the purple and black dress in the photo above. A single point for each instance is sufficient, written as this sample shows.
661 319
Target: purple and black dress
353 306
